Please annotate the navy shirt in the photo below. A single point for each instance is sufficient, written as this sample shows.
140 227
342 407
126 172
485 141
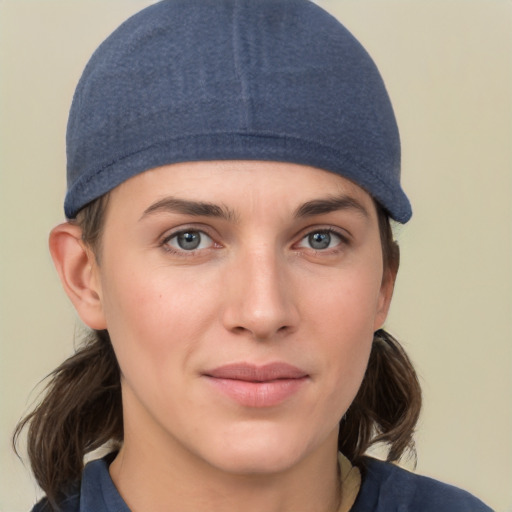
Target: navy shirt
384 488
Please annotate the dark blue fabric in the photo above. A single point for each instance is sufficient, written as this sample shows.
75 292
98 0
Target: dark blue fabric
278 80
388 488
385 488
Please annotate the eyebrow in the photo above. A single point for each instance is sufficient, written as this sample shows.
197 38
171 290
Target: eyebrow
205 209
330 204
187 207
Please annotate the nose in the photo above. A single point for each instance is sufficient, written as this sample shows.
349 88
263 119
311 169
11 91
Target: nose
260 300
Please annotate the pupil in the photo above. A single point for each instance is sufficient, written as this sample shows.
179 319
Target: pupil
189 241
319 240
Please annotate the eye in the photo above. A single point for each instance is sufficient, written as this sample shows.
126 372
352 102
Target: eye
321 239
189 240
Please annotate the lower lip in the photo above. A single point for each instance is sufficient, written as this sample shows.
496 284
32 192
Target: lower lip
258 394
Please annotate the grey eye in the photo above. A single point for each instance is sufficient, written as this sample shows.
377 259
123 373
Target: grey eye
190 240
320 240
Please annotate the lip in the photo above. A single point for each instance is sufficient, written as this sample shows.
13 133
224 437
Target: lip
257 386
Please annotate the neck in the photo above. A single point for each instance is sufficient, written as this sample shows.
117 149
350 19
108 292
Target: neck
158 481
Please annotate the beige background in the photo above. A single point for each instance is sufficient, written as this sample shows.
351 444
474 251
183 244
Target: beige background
448 67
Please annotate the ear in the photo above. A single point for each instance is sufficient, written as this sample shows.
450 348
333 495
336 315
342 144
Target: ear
78 272
385 296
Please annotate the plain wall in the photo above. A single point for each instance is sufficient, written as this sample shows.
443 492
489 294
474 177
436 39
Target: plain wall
448 68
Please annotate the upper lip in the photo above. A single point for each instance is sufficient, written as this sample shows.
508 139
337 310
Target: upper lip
254 373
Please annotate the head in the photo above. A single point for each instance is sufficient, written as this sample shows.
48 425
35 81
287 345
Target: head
232 171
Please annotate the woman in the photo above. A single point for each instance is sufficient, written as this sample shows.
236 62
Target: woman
232 168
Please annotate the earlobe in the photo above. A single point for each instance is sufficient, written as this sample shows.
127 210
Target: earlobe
78 272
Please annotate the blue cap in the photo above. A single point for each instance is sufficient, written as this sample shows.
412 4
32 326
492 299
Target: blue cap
195 80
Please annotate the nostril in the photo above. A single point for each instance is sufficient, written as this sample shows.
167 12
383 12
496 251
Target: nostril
260 333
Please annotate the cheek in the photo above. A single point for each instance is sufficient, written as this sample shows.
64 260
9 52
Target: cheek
347 303
153 317
342 315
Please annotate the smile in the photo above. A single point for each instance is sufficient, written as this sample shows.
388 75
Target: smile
257 386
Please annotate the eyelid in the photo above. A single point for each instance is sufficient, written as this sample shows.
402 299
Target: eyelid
183 228
326 228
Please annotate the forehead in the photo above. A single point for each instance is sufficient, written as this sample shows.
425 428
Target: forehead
238 184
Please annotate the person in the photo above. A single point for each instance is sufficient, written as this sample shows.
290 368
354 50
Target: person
233 169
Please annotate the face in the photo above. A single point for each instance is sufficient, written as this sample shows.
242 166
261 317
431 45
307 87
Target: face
241 299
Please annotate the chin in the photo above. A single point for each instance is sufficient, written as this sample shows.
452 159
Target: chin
267 451
252 461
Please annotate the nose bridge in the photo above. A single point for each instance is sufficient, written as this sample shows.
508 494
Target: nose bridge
260 293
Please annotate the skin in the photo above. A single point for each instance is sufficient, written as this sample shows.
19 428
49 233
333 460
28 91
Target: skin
254 291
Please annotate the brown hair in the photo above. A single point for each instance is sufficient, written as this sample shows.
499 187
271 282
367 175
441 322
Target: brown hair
82 408
388 403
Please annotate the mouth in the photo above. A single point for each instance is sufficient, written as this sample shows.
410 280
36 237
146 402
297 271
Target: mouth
257 386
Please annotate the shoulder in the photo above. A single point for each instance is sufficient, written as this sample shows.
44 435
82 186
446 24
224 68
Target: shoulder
387 487
94 493
70 503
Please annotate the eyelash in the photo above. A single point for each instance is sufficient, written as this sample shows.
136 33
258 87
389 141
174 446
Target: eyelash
344 241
